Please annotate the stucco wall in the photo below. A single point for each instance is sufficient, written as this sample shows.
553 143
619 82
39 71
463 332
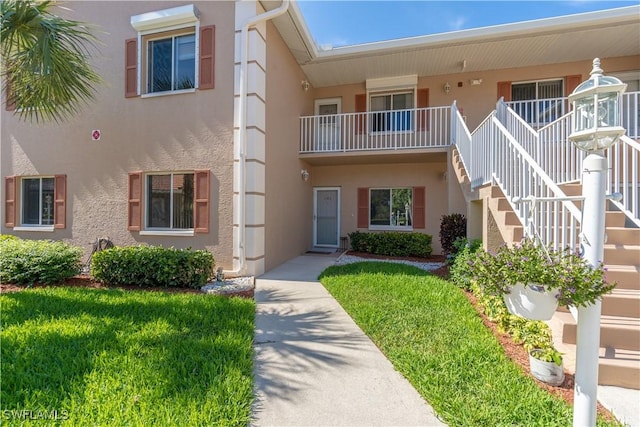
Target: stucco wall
351 177
288 210
166 133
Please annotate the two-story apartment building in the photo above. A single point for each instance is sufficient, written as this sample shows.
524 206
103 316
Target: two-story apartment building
190 157
222 125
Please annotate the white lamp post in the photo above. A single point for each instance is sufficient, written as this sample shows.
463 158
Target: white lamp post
596 127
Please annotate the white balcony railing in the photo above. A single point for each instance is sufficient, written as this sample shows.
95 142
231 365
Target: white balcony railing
379 130
541 112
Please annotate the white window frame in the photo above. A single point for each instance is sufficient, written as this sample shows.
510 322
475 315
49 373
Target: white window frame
391 227
173 38
163 231
412 110
40 226
556 79
177 18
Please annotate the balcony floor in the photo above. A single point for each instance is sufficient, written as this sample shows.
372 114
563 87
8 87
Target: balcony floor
414 155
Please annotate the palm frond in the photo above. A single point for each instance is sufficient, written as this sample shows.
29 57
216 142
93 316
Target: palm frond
45 61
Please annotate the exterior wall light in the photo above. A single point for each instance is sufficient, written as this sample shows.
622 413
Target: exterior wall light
446 87
305 85
305 175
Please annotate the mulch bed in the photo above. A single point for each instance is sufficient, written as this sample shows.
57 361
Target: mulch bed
514 351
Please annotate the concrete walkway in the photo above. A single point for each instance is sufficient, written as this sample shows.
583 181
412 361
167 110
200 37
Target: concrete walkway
314 366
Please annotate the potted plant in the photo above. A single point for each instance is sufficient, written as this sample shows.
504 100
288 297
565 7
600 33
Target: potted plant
533 280
546 365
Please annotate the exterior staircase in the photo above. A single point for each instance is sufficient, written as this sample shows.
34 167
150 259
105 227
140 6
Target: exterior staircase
620 322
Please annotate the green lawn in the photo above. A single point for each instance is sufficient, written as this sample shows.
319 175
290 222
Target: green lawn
433 336
116 358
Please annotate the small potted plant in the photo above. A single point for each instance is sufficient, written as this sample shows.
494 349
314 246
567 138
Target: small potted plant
546 365
533 280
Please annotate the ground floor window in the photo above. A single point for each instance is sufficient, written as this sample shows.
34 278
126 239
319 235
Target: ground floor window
391 207
37 201
170 201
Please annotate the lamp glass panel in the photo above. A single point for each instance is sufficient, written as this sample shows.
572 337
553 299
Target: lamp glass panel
584 113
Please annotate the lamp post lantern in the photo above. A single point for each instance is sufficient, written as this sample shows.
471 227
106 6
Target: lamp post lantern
596 127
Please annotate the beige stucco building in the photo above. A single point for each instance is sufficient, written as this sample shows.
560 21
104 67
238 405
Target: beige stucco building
231 152
221 125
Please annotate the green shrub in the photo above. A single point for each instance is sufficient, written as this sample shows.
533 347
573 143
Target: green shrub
460 272
37 261
531 334
4 237
152 266
392 243
452 227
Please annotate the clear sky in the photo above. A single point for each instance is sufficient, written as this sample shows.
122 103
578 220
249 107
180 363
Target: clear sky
342 23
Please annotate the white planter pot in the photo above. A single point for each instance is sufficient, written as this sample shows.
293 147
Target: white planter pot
531 301
547 372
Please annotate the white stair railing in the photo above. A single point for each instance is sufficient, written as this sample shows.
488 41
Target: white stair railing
624 176
496 157
461 137
562 161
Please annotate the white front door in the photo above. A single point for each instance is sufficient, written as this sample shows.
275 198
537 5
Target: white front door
327 124
326 216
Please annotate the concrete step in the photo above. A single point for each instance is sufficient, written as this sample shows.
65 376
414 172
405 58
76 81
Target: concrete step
496 192
620 368
622 302
572 189
626 276
621 254
503 204
623 235
620 333
614 219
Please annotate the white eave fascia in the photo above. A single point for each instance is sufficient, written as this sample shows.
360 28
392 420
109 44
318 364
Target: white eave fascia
546 25
165 18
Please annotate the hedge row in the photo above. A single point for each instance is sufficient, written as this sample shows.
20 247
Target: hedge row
152 266
25 262
392 243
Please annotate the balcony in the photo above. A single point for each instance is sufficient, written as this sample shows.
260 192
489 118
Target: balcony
386 131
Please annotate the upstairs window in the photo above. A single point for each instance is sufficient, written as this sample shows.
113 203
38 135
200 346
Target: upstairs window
171 63
173 53
385 118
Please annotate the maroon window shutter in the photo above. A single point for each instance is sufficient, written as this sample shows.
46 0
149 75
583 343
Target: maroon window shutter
134 208
60 201
363 208
361 107
202 210
423 102
131 68
10 192
571 82
504 91
207 56
418 207
10 102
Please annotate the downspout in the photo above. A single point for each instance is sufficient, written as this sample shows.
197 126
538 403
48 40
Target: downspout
242 120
